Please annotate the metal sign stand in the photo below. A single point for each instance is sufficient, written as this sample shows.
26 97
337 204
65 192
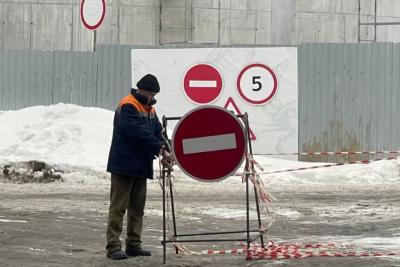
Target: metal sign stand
166 174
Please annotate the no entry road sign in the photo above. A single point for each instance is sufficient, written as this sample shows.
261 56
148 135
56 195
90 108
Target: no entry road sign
209 143
202 84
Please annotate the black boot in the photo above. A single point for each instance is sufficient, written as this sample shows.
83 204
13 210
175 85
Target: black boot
117 255
136 251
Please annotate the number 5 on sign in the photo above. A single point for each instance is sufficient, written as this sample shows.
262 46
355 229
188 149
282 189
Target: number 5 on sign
257 84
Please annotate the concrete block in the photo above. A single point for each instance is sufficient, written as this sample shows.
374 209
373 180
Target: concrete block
173 3
202 3
263 37
45 2
351 28
108 31
52 27
320 5
205 26
335 6
326 6
260 4
367 7
225 27
17 26
264 30
243 19
172 36
82 37
243 36
390 33
283 21
351 6
223 3
283 5
240 4
139 25
366 32
139 3
303 5
397 10
387 8
174 17
306 27
263 20
331 28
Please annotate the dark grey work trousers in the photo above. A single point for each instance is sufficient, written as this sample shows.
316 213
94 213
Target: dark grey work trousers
127 193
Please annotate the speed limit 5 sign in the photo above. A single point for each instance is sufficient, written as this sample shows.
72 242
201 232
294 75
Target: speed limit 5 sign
257 84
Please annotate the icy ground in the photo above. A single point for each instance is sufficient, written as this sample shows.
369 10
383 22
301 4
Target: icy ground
62 223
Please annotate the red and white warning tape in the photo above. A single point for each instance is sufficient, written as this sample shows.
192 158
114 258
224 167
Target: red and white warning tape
329 165
331 153
294 251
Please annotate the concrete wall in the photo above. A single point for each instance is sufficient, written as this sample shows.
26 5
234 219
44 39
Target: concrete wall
56 25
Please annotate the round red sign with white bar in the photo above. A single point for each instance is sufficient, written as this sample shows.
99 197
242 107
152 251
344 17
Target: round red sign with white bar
202 84
209 143
257 84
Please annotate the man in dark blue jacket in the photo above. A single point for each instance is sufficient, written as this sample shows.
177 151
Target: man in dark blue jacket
135 144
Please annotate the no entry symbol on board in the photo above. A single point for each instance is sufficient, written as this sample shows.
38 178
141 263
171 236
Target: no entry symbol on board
202 84
257 84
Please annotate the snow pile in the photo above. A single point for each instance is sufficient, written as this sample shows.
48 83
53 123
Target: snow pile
74 142
71 138
386 171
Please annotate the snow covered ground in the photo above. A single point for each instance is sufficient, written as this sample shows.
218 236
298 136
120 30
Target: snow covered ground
74 141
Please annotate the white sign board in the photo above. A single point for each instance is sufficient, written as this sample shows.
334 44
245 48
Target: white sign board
259 81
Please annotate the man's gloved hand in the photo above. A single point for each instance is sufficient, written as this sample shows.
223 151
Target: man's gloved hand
167 159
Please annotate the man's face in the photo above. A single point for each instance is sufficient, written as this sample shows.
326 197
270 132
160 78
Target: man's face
150 95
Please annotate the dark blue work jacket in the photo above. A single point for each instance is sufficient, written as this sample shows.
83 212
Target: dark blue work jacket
136 138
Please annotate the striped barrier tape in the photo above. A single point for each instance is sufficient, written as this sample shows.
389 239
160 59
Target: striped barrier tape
309 250
294 251
329 165
331 153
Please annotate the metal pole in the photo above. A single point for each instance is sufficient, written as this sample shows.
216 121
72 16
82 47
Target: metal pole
173 209
164 217
251 168
172 118
94 40
165 121
247 212
247 192
259 217
218 233
164 221
206 240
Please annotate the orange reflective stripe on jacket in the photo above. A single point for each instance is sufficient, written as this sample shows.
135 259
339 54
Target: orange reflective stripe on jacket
143 109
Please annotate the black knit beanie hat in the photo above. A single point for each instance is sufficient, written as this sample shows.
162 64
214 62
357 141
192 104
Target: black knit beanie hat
149 83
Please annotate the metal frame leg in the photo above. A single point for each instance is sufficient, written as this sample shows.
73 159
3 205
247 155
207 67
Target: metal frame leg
164 221
173 211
